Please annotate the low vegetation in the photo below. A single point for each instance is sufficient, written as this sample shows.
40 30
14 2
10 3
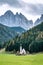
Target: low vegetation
11 59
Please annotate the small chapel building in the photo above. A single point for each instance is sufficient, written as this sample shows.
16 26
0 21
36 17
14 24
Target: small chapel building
22 51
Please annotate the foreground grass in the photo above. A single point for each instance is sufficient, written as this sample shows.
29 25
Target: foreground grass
11 59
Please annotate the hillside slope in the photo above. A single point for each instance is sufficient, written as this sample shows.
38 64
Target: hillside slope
7 33
32 40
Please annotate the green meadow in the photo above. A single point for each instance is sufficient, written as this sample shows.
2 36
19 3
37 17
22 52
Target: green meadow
12 59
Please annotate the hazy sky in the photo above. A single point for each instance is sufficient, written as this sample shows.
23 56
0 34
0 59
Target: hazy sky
32 9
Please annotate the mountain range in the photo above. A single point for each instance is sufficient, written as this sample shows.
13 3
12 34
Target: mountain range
12 25
11 20
15 20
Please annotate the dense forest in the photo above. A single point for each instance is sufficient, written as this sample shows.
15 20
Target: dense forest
31 40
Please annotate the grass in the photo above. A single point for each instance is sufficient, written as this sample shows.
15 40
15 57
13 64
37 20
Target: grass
11 59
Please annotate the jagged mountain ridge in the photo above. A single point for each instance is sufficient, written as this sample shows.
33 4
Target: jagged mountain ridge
39 20
9 19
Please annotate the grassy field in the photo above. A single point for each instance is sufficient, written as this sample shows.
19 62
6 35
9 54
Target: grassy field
11 59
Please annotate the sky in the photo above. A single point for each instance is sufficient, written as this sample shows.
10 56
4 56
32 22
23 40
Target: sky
31 9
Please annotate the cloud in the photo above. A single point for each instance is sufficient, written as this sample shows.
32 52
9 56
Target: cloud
33 1
27 7
31 9
15 3
35 9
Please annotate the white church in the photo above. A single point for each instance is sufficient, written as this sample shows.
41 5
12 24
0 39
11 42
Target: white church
22 51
